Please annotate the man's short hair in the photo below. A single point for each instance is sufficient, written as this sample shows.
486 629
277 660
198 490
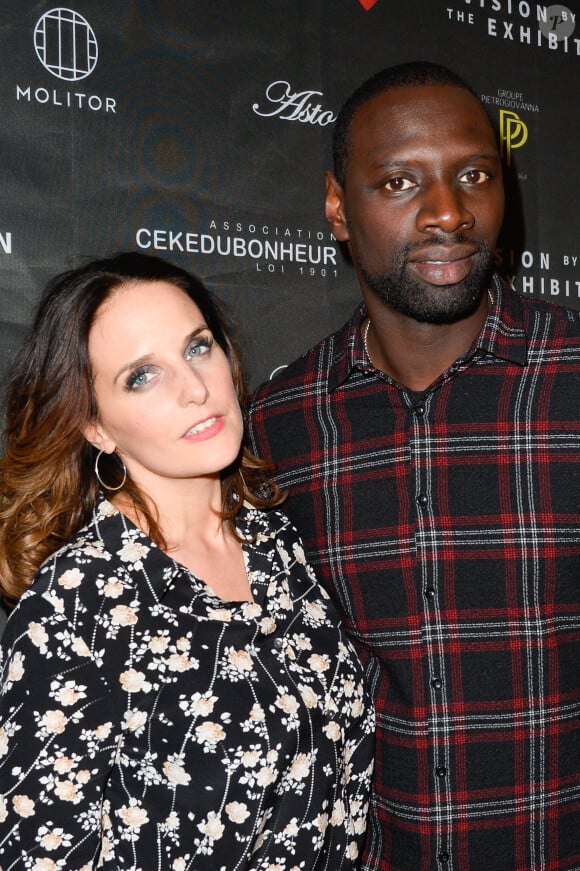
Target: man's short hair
402 75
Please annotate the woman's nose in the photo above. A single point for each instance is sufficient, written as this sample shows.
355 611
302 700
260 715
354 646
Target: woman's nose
193 387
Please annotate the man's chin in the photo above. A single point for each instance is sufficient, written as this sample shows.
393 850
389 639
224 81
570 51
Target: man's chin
440 304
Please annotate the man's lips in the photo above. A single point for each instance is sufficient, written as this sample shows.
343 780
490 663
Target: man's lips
441 266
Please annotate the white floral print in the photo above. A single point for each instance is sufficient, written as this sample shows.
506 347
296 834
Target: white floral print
147 724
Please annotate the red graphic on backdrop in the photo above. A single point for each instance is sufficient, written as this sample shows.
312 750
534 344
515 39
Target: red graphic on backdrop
368 4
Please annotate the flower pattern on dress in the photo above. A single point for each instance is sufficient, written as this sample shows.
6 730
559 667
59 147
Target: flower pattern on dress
146 723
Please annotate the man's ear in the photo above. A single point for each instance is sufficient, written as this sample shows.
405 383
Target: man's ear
334 208
97 437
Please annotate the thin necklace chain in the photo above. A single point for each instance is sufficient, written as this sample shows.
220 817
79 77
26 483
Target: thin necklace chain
366 332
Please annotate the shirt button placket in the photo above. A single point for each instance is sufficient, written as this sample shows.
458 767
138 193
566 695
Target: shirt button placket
422 499
419 412
430 595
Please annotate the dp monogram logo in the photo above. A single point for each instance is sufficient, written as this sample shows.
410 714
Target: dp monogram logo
513 133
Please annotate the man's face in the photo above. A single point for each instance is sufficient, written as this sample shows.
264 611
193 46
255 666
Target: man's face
422 202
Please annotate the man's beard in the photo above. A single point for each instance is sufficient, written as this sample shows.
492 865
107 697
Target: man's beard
430 304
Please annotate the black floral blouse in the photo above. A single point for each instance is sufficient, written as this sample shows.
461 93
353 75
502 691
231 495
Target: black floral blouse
147 724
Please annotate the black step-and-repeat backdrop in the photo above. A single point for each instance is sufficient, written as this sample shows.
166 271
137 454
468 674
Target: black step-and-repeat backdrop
201 130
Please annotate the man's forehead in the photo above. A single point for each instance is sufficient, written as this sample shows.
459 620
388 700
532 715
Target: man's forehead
402 111
449 98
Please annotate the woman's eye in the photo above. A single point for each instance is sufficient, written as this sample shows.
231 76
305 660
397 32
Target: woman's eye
198 347
475 176
140 378
399 184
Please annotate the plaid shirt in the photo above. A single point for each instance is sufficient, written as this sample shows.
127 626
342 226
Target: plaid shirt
447 528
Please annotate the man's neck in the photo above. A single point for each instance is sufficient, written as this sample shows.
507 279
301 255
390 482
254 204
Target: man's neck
416 354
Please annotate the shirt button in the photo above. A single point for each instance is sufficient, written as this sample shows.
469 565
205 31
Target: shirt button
436 683
440 771
419 410
429 592
422 499
443 857
278 643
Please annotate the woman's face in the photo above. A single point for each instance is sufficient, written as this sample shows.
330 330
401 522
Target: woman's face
164 391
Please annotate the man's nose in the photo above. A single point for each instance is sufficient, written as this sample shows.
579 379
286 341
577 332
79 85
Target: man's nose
443 208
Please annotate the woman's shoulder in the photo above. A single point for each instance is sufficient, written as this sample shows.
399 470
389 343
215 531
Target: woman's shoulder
61 600
89 546
89 587
76 575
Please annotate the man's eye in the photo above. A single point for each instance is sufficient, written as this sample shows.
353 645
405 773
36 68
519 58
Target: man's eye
475 176
399 184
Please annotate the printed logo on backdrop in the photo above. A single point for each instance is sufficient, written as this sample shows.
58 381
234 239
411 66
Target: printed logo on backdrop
66 44
513 130
67 48
5 242
530 272
268 248
283 102
538 25
513 133
533 272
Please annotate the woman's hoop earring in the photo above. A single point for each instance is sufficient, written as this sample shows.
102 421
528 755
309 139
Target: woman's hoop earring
98 474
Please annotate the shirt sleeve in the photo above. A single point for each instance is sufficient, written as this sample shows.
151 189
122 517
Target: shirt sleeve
58 739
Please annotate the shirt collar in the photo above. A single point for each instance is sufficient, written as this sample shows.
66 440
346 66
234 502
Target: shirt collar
349 352
502 336
122 539
125 542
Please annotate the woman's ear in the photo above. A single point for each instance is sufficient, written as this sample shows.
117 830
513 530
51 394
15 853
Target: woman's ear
97 437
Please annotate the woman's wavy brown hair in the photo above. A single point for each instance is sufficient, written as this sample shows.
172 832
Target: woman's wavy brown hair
47 483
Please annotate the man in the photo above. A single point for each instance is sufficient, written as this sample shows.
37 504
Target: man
431 449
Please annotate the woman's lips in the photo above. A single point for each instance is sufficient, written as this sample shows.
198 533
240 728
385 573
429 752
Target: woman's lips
206 429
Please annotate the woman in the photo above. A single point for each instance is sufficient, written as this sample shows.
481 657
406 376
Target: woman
176 690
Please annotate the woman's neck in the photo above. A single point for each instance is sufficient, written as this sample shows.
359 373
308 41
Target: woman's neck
189 517
185 509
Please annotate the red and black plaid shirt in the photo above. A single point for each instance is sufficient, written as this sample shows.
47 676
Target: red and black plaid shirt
447 528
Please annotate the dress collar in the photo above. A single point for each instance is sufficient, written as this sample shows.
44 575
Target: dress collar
120 537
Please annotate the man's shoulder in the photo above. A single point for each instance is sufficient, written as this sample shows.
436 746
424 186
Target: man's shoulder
525 328
562 319
308 372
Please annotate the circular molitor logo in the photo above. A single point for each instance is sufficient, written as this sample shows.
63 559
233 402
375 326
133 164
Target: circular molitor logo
66 44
